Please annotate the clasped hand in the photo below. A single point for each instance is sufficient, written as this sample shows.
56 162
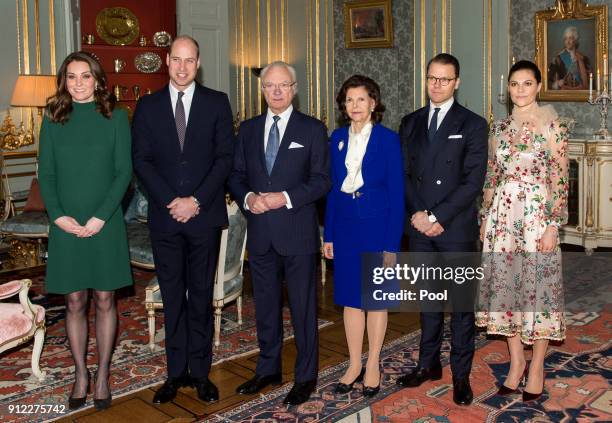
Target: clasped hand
183 208
265 201
69 225
421 223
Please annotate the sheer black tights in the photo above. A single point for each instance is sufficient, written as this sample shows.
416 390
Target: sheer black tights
76 329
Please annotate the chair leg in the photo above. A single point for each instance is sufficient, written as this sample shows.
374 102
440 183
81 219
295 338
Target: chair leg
151 319
39 340
323 269
217 326
239 308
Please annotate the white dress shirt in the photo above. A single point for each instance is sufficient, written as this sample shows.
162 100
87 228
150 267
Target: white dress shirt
444 108
187 98
357 145
282 126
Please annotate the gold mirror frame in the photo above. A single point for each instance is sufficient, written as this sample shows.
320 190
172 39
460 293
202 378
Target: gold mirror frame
570 10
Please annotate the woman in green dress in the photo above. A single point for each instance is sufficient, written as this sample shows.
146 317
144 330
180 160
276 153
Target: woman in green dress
84 170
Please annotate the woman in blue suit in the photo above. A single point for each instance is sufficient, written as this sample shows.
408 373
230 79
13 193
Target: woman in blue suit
365 214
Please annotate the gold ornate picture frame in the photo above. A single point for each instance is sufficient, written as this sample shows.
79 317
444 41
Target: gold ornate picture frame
566 64
368 24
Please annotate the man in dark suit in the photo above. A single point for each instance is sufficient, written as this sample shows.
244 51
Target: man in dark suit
281 168
445 155
183 148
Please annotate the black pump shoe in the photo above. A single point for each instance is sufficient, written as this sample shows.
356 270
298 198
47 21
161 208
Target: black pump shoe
344 388
74 403
370 391
505 391
103 403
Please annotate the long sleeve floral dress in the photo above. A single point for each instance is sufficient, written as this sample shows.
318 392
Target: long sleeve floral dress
525 191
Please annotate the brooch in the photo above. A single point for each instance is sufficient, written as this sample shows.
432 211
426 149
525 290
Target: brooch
340 145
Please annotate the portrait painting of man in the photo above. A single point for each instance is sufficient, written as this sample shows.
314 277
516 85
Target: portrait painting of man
571 50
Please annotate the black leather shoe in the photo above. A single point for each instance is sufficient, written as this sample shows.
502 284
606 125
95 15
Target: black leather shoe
168 390
300 392
74 403
344 388
462 391
257 383
418 376
207 391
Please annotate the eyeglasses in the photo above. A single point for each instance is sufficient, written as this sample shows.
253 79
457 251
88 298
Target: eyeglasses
443 81
283 86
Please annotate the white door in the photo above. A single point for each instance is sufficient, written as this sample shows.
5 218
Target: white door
208 22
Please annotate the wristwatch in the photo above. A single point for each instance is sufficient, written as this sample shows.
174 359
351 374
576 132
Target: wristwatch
196 201
431 217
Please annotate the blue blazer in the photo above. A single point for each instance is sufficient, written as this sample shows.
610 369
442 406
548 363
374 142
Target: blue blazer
200 169
447 175
302 172
382 194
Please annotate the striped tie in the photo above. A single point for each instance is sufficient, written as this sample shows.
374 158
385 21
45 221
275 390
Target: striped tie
179 118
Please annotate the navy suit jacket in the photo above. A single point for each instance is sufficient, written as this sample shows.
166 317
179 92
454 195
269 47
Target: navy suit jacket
447 175
383 184
302 172
200 169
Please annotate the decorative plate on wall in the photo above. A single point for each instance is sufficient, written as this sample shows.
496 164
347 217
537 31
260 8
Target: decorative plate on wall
117 26
162 39
148 62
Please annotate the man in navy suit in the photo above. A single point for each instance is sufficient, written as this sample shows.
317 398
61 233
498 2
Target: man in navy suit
445 156
281 168
183 146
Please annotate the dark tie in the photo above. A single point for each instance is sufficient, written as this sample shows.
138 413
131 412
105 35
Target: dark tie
179 118
273 143
433 125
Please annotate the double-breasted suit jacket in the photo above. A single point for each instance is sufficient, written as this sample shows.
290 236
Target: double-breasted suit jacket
447 175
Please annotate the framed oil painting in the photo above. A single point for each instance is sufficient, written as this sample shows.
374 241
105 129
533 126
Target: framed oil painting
368 24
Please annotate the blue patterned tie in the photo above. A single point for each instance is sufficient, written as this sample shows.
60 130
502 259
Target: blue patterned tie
433 125
273 143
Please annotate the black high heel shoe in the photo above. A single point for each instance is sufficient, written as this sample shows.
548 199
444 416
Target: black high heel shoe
529 396
73 402
504 390
343 388
370 391
103 403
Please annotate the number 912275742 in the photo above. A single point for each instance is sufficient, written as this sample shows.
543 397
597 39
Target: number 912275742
36 408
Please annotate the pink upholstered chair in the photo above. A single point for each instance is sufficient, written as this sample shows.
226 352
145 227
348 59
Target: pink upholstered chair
20 322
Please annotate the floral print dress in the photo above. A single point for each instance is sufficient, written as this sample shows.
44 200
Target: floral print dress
525 191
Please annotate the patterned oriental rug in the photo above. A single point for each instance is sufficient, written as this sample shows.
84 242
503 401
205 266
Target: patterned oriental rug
577 386
135 366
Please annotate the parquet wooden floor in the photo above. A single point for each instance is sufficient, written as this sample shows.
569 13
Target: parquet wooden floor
227 376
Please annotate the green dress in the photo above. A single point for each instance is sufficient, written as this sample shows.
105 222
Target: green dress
85 167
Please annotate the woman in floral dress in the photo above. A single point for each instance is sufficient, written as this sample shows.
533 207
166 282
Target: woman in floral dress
525 197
